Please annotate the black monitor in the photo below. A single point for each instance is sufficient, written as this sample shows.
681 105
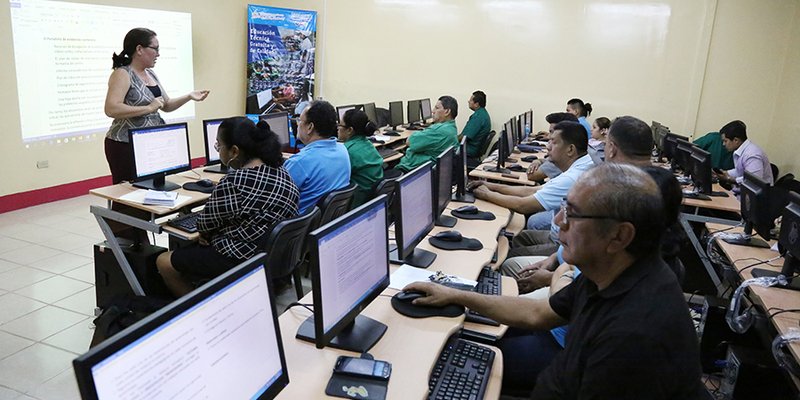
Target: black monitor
221 341
788 243
513 139
349 268
701 171
758 212
159 151
658 140
671 144
443 181
340 110
279 123
460 174
413 111
369 109
413 211
395 115
210 127
683 155
527 125
502 151
425 107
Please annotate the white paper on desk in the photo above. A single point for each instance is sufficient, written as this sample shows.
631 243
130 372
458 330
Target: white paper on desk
775 248
137 196
382 138
407 274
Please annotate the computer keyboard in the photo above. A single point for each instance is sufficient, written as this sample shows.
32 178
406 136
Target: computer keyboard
488 283
386 152
186 222
461 372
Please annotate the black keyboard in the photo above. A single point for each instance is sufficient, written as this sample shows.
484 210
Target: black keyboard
386 153
186 222
488 283
461 372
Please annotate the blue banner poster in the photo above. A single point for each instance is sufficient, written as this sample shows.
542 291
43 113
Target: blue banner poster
281 45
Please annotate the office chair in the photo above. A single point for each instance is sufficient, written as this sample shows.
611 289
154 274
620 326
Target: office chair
775 171
335 204
486 143
285 245
387 187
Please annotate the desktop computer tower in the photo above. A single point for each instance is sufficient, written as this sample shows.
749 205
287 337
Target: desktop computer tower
753 374
715 335
111 282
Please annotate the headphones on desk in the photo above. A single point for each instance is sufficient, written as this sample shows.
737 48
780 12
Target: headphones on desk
739 321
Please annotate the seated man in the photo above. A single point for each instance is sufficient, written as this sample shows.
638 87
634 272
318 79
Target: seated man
478 127
426 145
323 164
711 142
747 156
567 148
630 333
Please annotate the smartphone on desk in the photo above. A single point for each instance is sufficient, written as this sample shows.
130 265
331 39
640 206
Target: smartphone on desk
363 367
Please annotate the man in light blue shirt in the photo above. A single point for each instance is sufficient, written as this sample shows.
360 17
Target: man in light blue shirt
322 165
747 156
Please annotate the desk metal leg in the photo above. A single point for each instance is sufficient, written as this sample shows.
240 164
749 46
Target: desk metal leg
102 214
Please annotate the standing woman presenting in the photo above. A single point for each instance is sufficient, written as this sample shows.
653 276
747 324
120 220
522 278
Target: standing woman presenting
134 97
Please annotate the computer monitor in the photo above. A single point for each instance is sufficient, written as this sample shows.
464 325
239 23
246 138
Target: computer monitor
758 212
279 123
210 127
671 144
413 217
349 267
369 109
340 110
513 139
502 151
159 151
443 181
683 155
460 174
221 341
413 111
425 106
788 243
701 171
395 115
527 125
658 140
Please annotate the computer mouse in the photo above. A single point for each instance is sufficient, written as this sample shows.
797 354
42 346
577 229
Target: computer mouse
205 183
392 133
468 209
516 168
449 236
529 158
409 296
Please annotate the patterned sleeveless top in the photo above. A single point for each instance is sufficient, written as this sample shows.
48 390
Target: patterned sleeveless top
138 95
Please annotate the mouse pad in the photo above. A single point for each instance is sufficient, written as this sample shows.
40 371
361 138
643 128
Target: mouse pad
355 387
484 215
410 310
194 187
464 244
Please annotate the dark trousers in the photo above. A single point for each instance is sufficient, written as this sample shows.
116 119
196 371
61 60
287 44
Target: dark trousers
525 355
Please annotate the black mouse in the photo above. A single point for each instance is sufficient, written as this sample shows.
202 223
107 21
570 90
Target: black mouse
516 168
468 209
449 236
205 183
392 133
409 296
529 158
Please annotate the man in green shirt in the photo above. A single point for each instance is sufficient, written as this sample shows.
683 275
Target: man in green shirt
478 126
426 145
720 156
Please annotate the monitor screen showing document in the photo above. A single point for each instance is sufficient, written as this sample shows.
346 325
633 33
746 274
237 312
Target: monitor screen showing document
210 128
160 149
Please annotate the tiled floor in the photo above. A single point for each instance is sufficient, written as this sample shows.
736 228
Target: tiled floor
47 297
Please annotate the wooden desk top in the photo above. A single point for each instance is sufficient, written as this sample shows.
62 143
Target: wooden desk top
522 177
115 192
730 203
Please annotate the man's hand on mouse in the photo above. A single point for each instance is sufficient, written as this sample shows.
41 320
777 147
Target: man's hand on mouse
437 295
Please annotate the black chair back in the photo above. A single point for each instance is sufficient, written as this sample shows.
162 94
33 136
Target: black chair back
486 142
285 245
387 187
335 204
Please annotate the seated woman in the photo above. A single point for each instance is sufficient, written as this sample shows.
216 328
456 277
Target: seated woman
366 165
256 194
597 143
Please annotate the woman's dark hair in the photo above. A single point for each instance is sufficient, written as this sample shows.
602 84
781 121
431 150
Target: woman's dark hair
253 141
674 235
584 109
323 116
602 122
360 123
135 37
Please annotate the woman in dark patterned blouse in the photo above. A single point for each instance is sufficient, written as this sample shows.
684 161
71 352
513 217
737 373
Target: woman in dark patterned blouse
256 194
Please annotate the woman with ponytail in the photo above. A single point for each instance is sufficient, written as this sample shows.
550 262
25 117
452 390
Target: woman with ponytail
134 97
256 194
366 165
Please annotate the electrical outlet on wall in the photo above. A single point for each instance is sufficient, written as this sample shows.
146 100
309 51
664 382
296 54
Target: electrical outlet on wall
42 164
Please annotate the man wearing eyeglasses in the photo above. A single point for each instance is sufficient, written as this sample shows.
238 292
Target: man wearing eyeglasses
630 334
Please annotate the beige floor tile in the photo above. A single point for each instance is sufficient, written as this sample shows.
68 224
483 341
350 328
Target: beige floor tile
10 344
62 387
76 338
61 263
21 277
7 266
86 251
68 241
9 394
33 366
53 289
30 232
83 273
8 244
82 302
29 254
42 323
13 306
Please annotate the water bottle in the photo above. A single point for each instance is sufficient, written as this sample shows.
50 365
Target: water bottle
527 130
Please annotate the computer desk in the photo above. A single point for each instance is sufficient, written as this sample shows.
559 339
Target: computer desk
412 345
729 203
521 177
765 297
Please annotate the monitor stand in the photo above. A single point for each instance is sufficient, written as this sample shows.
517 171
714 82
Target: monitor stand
745 240
392 132
217 169
158 183
419 258
499 170
465 198
359 336
446 221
